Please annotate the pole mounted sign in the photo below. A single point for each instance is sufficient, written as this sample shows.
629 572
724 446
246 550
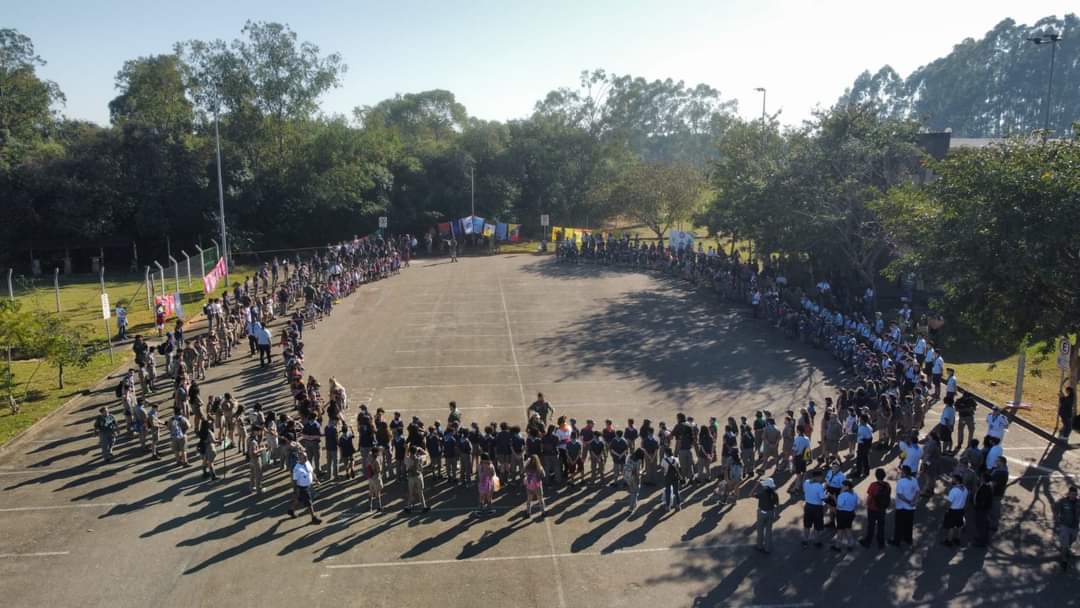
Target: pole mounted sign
382 221
545 220
106 310
1064 350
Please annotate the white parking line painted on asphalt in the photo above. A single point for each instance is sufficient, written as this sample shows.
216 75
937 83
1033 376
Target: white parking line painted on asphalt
511 558
94 505
39 554
552 383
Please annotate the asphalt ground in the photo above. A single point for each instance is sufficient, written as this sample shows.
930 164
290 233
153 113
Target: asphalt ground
490 333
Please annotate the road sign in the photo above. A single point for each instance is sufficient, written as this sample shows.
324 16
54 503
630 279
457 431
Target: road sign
106 310
382 221
1064 350
545 220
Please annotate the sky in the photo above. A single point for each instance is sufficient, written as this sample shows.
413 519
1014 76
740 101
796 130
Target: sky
499 58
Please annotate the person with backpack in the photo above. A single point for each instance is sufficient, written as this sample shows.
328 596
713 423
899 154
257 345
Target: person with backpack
207 448
878 497
105 428
767 504
673 479
178 428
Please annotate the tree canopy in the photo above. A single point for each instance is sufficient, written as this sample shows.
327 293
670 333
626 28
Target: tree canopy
992 87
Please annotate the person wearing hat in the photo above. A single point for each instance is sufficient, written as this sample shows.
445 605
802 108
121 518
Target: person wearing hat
768 502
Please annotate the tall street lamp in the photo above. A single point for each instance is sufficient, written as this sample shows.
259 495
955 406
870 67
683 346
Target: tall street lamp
762 91
1051 38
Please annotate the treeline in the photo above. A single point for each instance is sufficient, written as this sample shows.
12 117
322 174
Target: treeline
992 87
296 176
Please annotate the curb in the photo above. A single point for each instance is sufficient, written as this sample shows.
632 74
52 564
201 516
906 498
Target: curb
1038 430
65 407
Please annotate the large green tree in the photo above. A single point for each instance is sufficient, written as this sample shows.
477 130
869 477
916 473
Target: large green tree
996 232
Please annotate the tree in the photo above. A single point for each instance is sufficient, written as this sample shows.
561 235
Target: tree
153 95
992 87
26 101
996 232
659 195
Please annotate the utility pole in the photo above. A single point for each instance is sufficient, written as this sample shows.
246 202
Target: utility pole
763 92
221 200
1051 38
472 193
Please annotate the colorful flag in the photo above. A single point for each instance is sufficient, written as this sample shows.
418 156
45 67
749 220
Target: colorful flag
501 232
456 229
489 230
444 228
515 232
467 224
478 224
212 278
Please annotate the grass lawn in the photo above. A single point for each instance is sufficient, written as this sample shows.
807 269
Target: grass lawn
44 394
995 379
80 300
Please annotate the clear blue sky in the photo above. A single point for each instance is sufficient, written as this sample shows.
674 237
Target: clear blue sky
499 58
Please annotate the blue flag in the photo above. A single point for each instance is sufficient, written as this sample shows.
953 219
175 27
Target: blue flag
502 231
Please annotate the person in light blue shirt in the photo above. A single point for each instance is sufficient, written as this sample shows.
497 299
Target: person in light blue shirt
864 437
813 509
846 504
945 426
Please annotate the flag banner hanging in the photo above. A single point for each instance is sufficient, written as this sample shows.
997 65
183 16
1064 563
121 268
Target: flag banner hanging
166 302
467 224
478 224
456 230
501 232
216 275
515 232
444 228
681 240
489 230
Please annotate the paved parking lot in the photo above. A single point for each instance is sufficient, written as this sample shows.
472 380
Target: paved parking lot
490 333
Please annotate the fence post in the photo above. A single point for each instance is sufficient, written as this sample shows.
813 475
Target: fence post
108 332
149 286
187 258
56 287
162 272
176 274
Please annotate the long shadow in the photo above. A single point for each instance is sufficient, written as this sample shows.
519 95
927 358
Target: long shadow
681 342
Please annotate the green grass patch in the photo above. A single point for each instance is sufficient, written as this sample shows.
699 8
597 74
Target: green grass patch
44 394
994 377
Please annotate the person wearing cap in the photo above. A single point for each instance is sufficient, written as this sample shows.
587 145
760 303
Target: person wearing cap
768 502
105 427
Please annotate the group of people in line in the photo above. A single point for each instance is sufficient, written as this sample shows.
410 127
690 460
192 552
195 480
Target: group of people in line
898 382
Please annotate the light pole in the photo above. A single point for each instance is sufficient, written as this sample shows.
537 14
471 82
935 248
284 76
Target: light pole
1051 38
221 199
472 193
763 92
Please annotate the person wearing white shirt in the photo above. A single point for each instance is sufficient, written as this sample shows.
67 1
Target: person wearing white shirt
937 368
950 385
800 457
946 425
834 484
813 509
846 503
911 453
995 451
907 492
954 517
920 347
864 437
303 475
996 424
